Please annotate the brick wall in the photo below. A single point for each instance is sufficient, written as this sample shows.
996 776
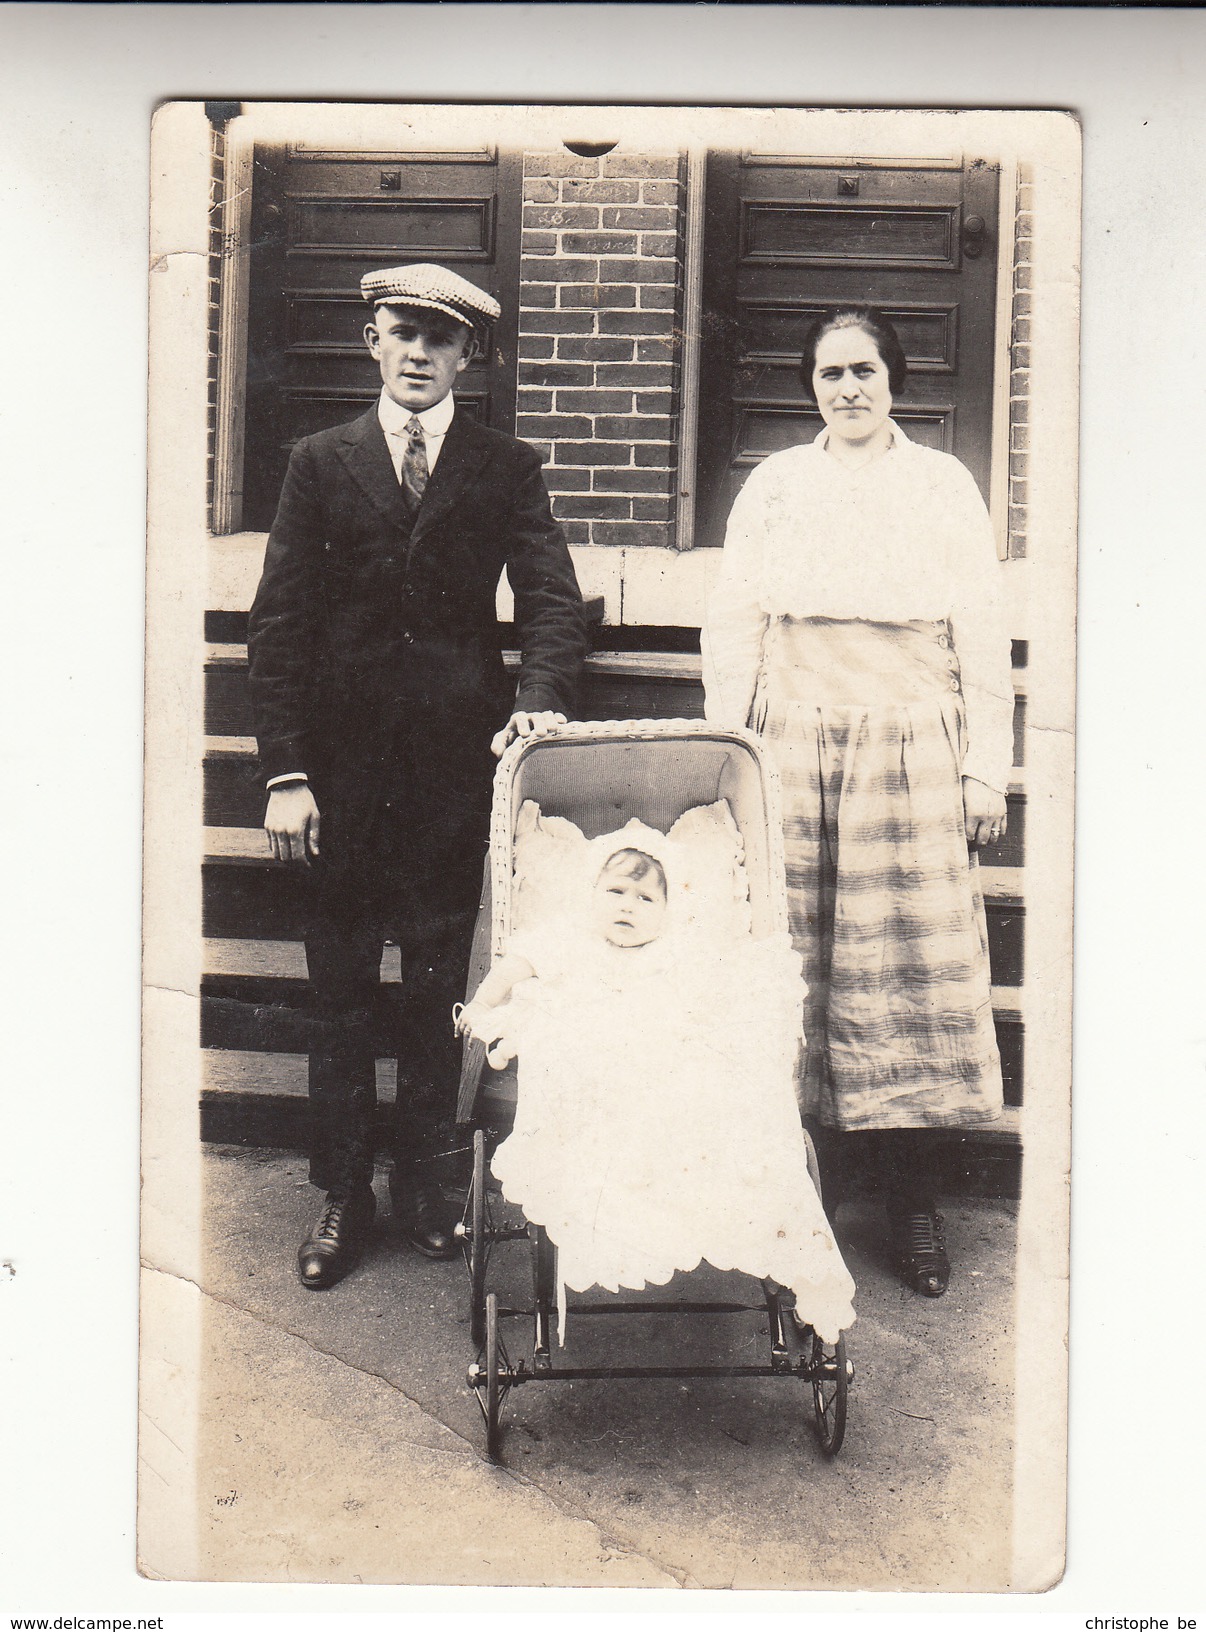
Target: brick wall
217 165
599 327
1019 379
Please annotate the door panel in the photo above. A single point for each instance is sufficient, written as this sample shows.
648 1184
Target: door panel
927 333
320 219
819 235
762 428
783 239
332 232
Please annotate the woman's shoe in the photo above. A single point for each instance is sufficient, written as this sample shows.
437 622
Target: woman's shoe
920 1244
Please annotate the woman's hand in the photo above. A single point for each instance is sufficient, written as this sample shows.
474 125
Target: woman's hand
984 818
524 724
292 822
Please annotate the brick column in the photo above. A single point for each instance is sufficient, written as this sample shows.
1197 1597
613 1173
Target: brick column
600 316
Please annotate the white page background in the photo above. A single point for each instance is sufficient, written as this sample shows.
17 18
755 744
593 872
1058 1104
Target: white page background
77 87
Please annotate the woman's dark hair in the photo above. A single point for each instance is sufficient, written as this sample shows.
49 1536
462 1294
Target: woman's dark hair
872 322
636 865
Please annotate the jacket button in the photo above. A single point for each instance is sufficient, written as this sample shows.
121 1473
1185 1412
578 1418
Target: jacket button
954 685
943 640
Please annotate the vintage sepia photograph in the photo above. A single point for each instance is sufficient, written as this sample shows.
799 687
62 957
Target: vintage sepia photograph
611 657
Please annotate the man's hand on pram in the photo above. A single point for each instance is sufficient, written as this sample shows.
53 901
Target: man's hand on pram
524 724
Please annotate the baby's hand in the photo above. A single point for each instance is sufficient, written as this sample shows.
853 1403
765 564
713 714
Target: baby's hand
468 1017
479 1020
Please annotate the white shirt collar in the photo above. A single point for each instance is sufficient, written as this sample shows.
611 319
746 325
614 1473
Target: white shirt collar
899 439
394 419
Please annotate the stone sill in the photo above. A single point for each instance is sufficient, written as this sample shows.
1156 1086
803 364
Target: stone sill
639 586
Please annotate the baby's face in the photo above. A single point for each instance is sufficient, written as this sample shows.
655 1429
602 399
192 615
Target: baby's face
629 911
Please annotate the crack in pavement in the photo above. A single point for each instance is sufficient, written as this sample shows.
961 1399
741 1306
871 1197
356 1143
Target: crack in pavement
171 991
612 1542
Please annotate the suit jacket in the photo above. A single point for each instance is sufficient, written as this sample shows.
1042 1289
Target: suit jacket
375 658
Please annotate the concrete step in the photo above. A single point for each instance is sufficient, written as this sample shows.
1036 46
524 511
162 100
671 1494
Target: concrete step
254 992
230 1071
276 960
616 685
246 897
234 795
227 1071
250 844
260 1100
259 1018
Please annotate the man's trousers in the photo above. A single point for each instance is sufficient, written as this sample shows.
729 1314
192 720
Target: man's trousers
424 898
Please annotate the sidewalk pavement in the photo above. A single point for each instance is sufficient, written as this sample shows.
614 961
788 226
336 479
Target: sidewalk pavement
338 1440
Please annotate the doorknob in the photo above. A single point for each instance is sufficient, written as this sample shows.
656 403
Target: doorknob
975 236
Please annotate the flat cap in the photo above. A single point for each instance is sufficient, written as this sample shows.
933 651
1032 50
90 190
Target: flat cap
434 287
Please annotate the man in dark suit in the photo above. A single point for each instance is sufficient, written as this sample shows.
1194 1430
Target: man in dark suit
379 691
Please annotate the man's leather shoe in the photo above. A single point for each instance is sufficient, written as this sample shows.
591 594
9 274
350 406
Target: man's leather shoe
337 1240
425 1217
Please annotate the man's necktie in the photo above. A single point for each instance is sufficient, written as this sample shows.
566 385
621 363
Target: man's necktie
414 464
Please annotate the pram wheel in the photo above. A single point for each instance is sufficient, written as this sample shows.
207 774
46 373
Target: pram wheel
491 1378
829 1371
827 1365
475 1241
493 1390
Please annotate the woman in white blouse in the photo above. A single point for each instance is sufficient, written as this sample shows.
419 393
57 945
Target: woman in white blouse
856 622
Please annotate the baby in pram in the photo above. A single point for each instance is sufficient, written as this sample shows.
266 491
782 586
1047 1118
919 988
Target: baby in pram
657 1123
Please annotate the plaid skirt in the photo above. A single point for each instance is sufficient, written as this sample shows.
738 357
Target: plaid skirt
866 723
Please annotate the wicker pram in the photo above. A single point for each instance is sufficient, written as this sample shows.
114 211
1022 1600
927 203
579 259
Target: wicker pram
598 775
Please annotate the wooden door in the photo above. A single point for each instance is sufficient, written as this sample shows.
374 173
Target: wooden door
785 237
321 217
